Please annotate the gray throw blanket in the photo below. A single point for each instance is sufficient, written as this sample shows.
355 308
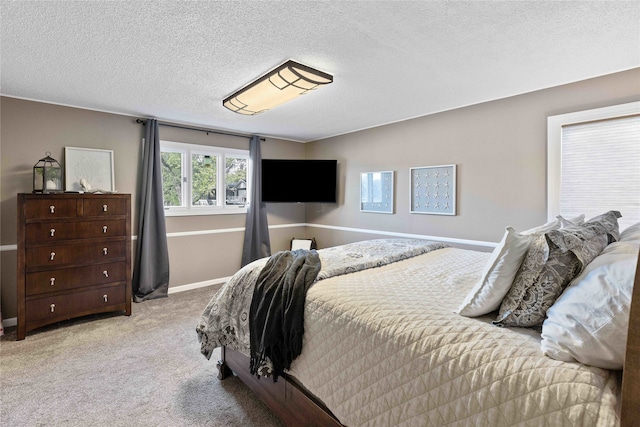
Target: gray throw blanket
276 317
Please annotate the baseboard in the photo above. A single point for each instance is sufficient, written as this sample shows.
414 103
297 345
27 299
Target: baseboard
197 285
6 323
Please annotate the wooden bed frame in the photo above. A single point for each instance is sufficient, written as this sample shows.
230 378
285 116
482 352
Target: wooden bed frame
296 406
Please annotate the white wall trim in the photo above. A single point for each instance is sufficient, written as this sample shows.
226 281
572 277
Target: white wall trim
408 235
227 230
301 224
330 227
205 232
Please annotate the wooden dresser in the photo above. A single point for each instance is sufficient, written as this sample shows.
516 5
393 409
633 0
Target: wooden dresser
74 257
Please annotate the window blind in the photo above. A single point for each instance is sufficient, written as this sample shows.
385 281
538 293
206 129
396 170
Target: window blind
600 169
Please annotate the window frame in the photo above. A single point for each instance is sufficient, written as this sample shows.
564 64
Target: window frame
554 144
220 154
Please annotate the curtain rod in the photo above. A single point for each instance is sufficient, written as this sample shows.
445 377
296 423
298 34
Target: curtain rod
207 131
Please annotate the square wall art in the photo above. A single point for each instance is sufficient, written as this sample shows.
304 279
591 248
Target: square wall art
376 192
433 190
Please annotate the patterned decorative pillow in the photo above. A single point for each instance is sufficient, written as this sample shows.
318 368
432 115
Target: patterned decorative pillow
543 275
609 221
586 241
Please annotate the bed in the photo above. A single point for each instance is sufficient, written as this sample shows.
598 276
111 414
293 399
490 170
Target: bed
387 341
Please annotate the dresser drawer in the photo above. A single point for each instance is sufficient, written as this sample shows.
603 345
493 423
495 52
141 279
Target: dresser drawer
69 278
75 254
64 306
103 207
101 228
42 232
49 208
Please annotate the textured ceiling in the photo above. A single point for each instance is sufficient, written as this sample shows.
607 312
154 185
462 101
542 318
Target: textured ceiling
391 60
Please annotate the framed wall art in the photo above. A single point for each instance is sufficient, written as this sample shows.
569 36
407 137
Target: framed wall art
89 170
376 192
433 190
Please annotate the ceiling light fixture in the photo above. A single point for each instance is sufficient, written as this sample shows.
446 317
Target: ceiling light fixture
278 86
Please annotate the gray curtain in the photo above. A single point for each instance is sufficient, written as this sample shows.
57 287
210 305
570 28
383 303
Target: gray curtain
256 233
151 268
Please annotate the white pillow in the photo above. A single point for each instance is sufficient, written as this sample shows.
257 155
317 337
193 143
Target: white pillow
631 233
558 222
498 274
589 322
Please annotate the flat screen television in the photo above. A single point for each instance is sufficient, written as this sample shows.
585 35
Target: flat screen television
295 181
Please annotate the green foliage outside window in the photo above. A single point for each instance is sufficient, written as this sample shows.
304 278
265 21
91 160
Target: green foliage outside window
204 174
171 178
236 176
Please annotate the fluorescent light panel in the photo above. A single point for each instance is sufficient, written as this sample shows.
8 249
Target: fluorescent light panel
278 86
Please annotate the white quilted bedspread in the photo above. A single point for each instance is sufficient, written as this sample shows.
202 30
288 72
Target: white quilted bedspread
383 347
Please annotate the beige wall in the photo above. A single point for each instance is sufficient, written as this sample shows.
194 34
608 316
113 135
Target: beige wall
499 148
29 129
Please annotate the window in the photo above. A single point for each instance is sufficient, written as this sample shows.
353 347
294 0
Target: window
594 163
203 180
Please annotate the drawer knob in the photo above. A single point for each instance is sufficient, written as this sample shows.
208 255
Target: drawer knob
52 209
52 231
53 254
52 281
104 251
104 208
105 298
104 228
106 273
52 307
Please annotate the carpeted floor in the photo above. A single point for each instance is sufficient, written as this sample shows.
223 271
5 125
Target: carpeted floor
113 370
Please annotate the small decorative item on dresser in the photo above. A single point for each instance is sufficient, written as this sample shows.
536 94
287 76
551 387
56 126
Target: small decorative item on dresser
47 175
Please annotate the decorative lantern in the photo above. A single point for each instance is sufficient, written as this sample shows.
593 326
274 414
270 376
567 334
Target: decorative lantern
47 175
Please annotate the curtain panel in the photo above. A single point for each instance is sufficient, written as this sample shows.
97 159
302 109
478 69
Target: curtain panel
256 234
151 266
